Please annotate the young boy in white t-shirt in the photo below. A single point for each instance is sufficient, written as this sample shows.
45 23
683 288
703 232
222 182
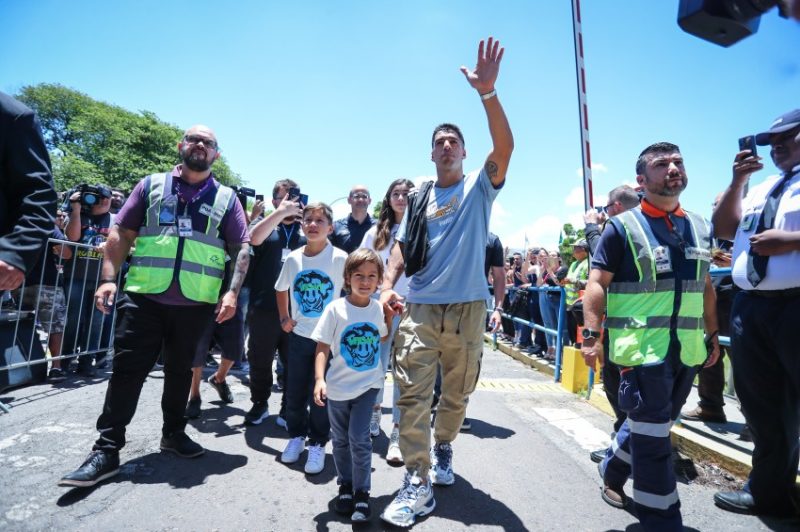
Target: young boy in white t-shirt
352 329
313 274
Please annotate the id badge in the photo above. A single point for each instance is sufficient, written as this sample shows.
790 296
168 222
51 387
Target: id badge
166 214
185 226
748 222
663 262
285 253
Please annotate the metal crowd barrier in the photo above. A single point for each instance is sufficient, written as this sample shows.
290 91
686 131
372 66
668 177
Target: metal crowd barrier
26 333
558 331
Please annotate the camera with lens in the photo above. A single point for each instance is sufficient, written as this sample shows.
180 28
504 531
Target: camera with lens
725 22
91 195
243 193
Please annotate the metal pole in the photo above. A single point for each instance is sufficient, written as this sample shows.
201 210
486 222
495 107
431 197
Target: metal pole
583 112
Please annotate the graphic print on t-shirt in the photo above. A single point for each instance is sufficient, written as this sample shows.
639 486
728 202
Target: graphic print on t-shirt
440 214
313 289
361 345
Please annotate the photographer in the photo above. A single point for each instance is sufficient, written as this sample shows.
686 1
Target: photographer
89 223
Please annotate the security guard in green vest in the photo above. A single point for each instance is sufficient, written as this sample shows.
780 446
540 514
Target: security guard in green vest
652 266
182 223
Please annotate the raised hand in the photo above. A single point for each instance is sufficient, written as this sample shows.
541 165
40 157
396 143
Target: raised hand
485 74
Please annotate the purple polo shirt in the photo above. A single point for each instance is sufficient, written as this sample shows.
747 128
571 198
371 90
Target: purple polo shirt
233 228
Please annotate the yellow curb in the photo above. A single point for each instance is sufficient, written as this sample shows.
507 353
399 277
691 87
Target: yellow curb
699 447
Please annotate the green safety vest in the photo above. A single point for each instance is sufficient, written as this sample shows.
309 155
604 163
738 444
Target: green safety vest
639 313
578 271
200 261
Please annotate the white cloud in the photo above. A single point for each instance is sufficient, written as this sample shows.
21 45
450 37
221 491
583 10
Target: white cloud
575 197
499 219
543 231
597 168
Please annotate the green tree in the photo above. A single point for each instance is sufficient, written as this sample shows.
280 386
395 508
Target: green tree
376 210
570 236
95 142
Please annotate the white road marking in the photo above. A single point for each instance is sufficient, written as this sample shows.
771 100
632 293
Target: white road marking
580 430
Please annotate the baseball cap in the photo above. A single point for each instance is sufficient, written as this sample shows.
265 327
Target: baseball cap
581 244
785 122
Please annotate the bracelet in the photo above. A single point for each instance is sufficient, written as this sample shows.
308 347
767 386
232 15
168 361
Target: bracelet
498 309
104 281
489 95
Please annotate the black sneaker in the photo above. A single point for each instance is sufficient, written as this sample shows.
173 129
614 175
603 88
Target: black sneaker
211 362
361 509
87 370
99 465
193 408
180 444
344 502
466 425
258 413
56 375
223 390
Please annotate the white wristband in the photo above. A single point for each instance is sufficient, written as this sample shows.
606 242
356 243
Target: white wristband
489 95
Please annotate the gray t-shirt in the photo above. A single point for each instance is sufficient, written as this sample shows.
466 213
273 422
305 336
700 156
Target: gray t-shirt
354 334
458 229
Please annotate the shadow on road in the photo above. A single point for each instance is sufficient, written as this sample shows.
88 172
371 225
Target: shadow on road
460 503
164 468
485 430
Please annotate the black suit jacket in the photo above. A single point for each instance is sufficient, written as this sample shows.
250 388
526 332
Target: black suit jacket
27 196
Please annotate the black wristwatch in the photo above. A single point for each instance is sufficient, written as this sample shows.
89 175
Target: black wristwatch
588 333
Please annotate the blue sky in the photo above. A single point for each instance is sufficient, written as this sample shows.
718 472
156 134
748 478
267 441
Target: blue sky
334 94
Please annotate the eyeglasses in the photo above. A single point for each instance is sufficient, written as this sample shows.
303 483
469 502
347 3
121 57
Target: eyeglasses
196 139
359 195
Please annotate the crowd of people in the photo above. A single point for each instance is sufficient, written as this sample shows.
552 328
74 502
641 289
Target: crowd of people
342 301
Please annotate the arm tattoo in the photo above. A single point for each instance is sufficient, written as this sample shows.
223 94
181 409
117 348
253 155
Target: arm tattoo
242 253
491 169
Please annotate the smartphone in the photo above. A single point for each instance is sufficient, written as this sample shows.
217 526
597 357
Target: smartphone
294 192
303 199
259 197
748 143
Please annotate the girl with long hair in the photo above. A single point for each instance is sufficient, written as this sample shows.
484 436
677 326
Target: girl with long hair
381 239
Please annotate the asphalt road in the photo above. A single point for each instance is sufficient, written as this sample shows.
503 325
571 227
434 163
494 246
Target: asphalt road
524 466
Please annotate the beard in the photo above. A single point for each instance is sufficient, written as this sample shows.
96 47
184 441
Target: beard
664 190
196 160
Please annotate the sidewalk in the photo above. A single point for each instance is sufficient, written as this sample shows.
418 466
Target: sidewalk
718 443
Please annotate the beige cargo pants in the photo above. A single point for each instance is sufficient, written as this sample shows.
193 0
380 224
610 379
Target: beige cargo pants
429 335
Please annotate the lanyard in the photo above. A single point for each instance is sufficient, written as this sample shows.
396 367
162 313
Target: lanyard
197 196
288 234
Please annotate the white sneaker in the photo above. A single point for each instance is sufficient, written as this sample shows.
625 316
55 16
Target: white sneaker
415 498
441 472
315 462
393 454
281 423
293 449
375 423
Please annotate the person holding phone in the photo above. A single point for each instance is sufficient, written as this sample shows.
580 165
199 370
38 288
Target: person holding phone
765 317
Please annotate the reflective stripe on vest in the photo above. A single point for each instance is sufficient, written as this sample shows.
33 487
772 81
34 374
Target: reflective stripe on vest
201 263
640 313
580 272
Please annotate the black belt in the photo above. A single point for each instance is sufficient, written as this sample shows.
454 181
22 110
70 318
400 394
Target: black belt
788 292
